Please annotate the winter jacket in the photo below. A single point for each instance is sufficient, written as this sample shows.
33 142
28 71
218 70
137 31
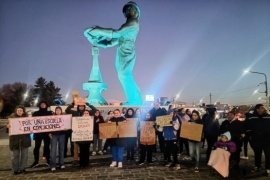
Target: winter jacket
211 127
19 141
42 112
96 127
229 145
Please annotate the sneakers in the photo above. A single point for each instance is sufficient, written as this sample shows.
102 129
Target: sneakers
187 158
104 151
94 153
62 167
169 164
113 164
177 167
100 152
268 172
120 164
16 172
244 157
35 164
196 170
75 162
141 163
255 169
53 169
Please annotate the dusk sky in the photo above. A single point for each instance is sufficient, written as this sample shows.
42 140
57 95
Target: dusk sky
189 48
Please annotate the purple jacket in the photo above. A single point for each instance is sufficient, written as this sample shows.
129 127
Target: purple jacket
229 145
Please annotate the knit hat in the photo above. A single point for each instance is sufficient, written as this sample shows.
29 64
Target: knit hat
227 134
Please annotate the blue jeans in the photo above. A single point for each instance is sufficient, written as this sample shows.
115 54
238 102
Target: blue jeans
60 139
117 153
19 159
98 142
195 151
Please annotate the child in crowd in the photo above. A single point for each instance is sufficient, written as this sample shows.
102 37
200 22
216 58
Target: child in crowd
220 155
19 145
57 137
194 146
97 119
170 137
145 147
117 144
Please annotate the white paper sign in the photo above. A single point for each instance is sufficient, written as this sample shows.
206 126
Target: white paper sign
82 128
38 124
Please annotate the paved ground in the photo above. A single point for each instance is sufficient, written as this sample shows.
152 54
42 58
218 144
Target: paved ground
99 168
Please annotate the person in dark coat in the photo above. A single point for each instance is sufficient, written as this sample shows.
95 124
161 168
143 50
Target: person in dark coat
19 145
211 130
235 127
97 120
117 144
131 141
157 111
259 126
39 137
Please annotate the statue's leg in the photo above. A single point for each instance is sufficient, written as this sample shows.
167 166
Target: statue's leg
132 92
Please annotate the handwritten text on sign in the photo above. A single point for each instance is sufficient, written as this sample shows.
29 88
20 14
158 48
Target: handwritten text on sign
164 120
82 128
39 124
148 133
107 130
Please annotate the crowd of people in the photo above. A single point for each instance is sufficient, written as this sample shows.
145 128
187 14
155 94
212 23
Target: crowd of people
233 133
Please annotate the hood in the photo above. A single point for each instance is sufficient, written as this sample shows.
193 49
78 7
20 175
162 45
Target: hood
228 135
14 115
43 109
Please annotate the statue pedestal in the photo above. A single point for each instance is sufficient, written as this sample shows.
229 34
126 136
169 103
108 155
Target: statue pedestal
95 89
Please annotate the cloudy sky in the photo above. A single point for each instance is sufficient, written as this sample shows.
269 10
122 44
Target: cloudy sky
189 48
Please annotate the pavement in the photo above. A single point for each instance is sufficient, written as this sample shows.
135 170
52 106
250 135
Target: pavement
99 168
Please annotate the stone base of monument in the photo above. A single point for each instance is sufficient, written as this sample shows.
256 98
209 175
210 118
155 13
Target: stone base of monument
95 88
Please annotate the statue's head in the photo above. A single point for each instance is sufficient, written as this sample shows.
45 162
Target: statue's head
127 9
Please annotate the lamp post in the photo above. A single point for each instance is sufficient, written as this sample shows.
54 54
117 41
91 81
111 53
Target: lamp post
266 89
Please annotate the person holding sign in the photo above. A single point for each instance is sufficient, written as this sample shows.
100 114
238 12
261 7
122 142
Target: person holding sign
147 147
97 119
131 141
19 145
117 144
57 137
84 147
39 137
170 138
194 146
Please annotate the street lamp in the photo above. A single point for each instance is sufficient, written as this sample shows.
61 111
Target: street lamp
265 82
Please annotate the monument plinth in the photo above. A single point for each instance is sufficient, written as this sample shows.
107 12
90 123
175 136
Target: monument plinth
95 85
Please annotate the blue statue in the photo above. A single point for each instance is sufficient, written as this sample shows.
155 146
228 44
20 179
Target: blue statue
124 38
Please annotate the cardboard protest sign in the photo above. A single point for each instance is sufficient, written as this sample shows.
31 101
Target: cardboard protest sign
128 128
107 130
191 131
79 101
164 120
148 133
38 124
82 128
